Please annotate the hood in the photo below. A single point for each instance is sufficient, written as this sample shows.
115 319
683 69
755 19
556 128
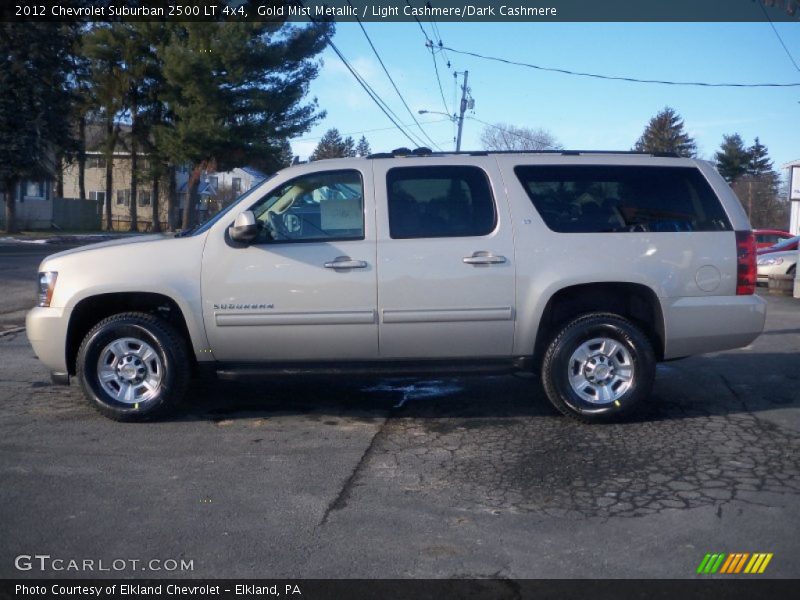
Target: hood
785 255
137 239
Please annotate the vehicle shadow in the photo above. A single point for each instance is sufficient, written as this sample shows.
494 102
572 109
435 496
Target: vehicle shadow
721 384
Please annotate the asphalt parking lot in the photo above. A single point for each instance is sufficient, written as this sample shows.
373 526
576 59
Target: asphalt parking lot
461 477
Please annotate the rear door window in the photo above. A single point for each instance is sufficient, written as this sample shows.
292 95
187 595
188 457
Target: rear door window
434 202
595 199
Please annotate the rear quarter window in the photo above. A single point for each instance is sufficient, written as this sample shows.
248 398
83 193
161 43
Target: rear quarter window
597 199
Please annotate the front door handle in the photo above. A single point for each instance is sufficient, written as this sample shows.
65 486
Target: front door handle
345 262
484 258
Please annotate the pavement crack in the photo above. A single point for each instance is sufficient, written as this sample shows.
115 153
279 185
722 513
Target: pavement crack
343 496
12 332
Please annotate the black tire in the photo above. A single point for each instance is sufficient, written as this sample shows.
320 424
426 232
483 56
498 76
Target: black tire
792 270
635 352
170 364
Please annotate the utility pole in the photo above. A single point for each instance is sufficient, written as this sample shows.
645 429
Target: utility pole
463 110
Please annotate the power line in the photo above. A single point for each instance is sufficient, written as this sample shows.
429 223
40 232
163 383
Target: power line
438 44
778 35
429 43
421 28
394 85
439 79
370 92
617 78
519 135
438 35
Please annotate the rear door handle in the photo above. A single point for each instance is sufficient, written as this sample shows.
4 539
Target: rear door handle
345 262
484 258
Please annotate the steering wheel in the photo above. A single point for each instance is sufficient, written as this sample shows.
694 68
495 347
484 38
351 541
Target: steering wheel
277 227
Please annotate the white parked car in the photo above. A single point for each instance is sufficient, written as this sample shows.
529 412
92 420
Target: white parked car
585 267
776 263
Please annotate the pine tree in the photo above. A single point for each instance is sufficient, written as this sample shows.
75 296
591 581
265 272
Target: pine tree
286 155
732 158
665 133
332 145
758 189
142 81
363 148
34 104
759 162
102 47
235 91
84 103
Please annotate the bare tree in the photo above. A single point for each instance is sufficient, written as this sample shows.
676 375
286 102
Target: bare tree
502 136
762 200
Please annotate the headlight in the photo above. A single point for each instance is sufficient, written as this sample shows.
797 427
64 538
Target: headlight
768 262
47 283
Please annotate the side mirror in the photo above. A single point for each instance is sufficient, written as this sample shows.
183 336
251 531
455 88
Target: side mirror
245 228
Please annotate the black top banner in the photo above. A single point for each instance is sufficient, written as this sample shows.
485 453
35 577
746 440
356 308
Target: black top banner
404 10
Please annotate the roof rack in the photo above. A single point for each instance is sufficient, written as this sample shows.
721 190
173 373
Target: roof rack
405 152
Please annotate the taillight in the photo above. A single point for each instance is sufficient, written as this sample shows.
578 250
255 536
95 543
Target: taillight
745 263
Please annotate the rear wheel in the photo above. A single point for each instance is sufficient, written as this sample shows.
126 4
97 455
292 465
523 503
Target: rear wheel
599 367
133 367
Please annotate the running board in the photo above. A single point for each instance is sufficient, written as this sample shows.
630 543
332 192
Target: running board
377 368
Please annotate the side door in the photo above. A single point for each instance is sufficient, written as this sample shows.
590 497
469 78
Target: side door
445 259
306 289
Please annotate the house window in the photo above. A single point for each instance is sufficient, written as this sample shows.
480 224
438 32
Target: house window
34 189
123 197
96 162
214 182
143 198
97 195
236 184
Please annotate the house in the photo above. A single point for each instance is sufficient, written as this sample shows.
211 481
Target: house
38 207
95 181
793 169
216 188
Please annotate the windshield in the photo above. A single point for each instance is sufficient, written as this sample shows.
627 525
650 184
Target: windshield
202 228
785 243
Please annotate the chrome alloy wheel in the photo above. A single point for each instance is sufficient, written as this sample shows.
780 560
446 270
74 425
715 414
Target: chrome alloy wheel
601 370
130 370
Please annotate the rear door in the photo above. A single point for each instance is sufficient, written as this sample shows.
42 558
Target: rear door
445 259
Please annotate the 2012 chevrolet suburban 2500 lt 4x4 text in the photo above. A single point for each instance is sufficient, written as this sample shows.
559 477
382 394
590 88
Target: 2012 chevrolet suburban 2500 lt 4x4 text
587 267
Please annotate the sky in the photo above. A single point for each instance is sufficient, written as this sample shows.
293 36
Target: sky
581 113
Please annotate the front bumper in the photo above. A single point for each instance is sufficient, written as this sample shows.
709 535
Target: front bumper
47 332
711 323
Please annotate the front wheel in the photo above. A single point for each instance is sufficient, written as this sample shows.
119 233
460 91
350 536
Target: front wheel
599 367
133 367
